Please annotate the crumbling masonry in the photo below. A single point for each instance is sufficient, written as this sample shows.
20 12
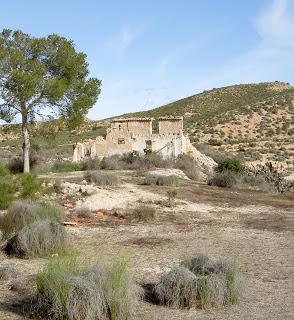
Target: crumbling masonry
142 135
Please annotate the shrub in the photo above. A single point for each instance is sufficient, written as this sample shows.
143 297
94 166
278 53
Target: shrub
4 171
25 212
225 179
160 180
143 213
233 165
38 239
16 165
90 164
30 185
66 166
66 289
101 178
7 191
177 288
111 163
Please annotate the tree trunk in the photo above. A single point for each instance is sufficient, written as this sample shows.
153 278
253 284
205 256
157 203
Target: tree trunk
26 144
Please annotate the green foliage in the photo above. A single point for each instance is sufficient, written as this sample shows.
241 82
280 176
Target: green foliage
7 191
4 171
232 165
66 166
30 185
41 76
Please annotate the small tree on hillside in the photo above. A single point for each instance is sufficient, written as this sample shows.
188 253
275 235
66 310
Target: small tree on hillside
42 77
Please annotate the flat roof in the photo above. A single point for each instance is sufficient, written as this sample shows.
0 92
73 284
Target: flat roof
132 119
171 118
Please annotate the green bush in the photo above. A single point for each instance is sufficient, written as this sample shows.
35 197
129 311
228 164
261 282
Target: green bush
38 239
67 289
66 166
30 185
25 212
101 178
7 192
159 180
4 171
90 164
233 165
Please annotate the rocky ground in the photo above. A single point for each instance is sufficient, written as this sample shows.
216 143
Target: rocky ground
252 227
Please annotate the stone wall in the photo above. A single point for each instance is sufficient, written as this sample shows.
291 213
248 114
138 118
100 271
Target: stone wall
127 135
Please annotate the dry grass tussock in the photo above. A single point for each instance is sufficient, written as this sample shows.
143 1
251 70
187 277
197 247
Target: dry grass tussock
25 212
101 178
38 239
199 282
159 180
67 289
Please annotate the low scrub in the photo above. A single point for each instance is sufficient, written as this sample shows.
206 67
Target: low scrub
38 239
16 165
4 171
101 178
143 213
159 180
232 165
7 192
189 166
25 212
84 213
67 289
90 164
30 185
200 282
66 166
225 179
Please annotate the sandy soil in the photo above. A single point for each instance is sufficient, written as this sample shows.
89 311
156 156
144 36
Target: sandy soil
255 228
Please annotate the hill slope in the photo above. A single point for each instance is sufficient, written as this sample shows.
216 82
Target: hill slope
255 120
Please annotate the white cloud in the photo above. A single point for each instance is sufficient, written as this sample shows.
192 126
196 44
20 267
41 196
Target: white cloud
276 24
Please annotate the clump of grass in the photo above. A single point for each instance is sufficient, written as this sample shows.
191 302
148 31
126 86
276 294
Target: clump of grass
200 282
101 178
84 213
67 289
143 213
30 185
38 239
177 288
90 164
171 194
66 166
25 212
225 179
4 171
7 192
189 166
111 163
159 180
7 271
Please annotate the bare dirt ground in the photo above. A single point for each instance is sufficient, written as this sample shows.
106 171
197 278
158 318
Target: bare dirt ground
255 228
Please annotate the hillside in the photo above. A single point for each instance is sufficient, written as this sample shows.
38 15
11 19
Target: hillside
254 120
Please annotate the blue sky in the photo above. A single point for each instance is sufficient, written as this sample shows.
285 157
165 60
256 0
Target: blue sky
148 53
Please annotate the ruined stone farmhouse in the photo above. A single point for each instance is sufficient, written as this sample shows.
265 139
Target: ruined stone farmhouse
164 136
